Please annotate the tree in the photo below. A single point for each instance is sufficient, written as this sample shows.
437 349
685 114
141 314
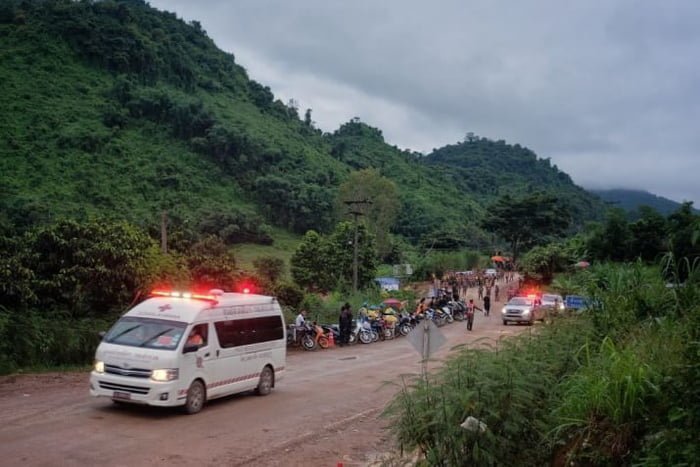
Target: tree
324 263
88 268
613 239
307 262
533 219
648 234
543 261
683 235
269 268
381 214
212 265
339 251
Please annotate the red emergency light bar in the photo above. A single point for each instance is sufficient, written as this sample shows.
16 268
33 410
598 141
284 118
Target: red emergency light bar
176 294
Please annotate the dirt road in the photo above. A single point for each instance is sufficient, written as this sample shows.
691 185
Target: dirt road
325 411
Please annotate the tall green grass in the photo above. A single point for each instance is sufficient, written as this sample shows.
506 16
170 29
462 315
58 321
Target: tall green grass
615 385
508 386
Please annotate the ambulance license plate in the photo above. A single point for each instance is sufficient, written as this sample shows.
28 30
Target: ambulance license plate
121 395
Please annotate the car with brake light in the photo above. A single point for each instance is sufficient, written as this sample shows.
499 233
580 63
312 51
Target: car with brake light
183 349
522 310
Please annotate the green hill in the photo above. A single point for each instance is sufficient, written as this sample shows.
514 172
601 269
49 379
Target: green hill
115 109
487 169
632 200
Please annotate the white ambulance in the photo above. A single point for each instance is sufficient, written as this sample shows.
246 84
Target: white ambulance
182 349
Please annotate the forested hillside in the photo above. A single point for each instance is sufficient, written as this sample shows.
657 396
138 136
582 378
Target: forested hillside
488 169
632 200
114 109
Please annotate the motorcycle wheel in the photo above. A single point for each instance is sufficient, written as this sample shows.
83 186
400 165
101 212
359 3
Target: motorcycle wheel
459 317
365 337
404 329
450 319
388 334
323 342
353 338
375 335
308 343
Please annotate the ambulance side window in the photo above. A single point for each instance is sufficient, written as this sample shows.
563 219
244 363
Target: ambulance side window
228 333
198 336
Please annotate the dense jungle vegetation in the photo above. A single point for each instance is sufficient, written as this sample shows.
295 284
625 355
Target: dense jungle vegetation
114 109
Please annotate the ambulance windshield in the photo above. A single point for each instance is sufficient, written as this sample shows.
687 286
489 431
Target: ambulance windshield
146 332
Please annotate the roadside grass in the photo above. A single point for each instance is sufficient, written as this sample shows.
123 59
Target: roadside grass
42 369
613 386
507 388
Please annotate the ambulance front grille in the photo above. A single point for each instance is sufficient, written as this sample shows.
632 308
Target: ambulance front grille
133 372
123 388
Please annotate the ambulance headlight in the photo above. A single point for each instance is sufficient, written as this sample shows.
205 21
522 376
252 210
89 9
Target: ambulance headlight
167 374
99 366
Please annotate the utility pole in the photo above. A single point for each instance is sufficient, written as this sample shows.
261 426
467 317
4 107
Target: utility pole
164 232
356 214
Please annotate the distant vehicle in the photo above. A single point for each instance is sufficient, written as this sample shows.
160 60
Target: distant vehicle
576 302
553 300
490 272
522 310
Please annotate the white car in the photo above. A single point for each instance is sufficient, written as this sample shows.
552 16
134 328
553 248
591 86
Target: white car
553 300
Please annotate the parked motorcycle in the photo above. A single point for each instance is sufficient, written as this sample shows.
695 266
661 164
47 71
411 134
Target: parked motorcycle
362 333
406 324
437 316
304 337
458 310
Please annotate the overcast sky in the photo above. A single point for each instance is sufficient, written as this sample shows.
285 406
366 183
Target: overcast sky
609 90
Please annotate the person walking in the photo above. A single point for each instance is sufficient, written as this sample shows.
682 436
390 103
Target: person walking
481 291
471 308
487 304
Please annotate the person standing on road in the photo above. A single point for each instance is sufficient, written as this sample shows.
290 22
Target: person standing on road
471 308
495 292
344 324
481 291
487 304
299 323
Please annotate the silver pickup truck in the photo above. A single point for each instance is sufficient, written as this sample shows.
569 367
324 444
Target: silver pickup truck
523 310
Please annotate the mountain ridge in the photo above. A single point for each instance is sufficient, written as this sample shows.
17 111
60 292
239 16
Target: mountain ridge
120 110
631 199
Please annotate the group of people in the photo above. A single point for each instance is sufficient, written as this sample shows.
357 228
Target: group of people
460 282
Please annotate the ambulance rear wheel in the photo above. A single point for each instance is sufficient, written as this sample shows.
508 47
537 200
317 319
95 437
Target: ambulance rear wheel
195 397
266 381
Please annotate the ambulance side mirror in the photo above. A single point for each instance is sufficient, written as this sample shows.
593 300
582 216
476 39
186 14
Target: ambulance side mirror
102 334
190 348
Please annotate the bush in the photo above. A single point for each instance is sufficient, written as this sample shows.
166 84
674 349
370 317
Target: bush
32 338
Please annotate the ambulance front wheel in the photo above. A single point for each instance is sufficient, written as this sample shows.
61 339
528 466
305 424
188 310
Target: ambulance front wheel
195 397
266 381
